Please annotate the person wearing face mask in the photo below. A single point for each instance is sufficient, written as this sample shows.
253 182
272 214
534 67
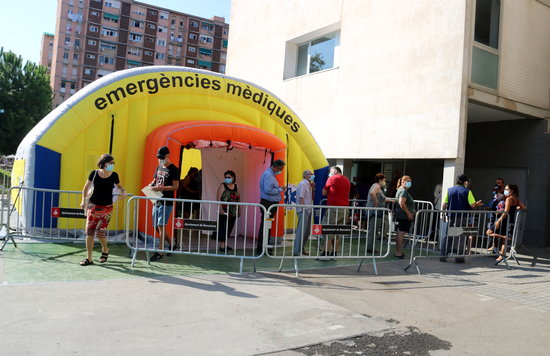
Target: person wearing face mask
270 194
404 213
98 212
304 196
165 180
227 192
505 218
376 220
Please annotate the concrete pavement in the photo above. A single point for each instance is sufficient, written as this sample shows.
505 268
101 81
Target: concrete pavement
454 309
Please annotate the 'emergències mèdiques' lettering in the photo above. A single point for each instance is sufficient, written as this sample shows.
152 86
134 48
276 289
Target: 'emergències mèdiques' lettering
154 85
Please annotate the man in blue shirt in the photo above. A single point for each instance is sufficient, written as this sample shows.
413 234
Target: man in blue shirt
457 198
270 194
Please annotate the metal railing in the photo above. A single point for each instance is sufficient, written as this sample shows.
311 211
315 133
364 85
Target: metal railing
330 232
194 227
50 214
448 234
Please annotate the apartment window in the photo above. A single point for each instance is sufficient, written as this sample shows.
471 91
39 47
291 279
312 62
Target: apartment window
65 55
92 42
134 37
485 52
136 23
75 56
150 39
225 30
110 17
90 56
159 55
94 28
105 31
151 26
173 22
207 26
64 70
152 12
194 23
223 55
74 71
487 22
112 3
148 53
161 43
192 49
139 11
105 46
222 68
88 71
163 15
106 60
134 51
94 13
163 29
317 54
190 61
192 36
206 39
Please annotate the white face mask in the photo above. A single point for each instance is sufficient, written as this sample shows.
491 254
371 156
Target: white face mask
162 162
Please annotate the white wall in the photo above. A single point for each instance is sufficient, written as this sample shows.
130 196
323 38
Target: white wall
397 90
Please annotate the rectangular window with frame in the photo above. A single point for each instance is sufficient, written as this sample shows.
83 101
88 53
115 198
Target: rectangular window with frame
94 28
317 55
134 37
161 43
485 51
92 42
192 36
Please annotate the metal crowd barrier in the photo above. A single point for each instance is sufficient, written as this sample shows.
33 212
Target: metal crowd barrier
308 228
5 182
448 234
194 227
49 214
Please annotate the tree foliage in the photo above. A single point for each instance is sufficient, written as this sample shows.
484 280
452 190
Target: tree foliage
316 63
25 98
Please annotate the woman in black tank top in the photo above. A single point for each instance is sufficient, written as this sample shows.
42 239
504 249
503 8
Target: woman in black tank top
497 228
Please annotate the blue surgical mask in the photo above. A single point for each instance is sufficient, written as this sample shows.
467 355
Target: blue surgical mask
278 172
110 167
162 162
506 192
408 184
312 177
228 180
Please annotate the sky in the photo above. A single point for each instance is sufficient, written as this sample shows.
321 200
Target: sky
22 23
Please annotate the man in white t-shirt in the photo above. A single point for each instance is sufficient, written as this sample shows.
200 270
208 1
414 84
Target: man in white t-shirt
304 196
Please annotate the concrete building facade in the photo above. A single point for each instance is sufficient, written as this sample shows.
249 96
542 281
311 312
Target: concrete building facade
426 88
96 37
46 52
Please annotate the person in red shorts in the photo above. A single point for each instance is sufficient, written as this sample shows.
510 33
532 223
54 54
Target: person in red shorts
100 206
337 192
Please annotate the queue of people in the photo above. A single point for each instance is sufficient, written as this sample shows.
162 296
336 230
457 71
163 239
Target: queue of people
97 200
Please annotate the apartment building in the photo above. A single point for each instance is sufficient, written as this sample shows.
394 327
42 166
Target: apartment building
96 37
425 88
46 52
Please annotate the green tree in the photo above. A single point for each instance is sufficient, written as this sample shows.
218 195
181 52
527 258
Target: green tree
316 63
25 98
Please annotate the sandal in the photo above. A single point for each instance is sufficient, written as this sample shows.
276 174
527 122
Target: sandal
86 262
104 257
401 256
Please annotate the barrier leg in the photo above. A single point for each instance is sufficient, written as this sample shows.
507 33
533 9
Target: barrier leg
147 255
134 255
295 267
374 266
417 266
359 266
254 266
241 266
281 265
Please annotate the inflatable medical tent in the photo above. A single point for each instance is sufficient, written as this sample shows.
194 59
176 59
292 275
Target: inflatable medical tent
235 124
